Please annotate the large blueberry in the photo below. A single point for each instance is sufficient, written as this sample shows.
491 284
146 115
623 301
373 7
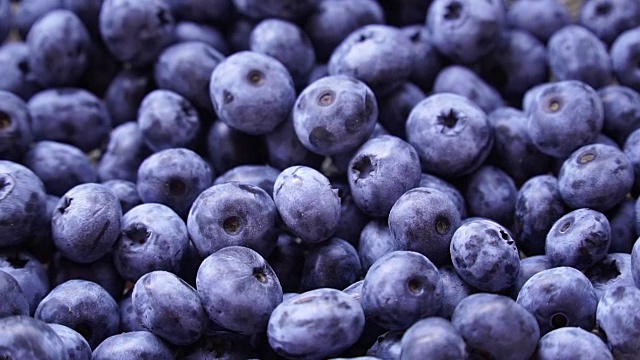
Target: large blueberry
77 347
333 263
542 18
529 266
394 108
566 342
15 73
125 92
124 153
126 192
621 111
284 149
375 242
617 317
608 18
463 81
30 274
454 290
23 337
15 126
624 54
612 271
623 229
434 182
434 336
262 176
427 61
133 345
491 193
15 302
128 318
192 31
31 11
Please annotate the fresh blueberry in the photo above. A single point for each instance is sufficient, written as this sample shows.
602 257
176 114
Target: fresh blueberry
540 18
133 345
529 266
566 342
394 108
192 31
228 148
387 345
455 289
125 93
124 153
614 270
491 193
77 347
126 192
427 61
623 230
608 18
333 263
15 302
23 337
616 318
434 182
30 274
632 150
15 72
463 81
435 336
624 54
285 9
375 242
15 127
262 176
621 111
31 11
284 149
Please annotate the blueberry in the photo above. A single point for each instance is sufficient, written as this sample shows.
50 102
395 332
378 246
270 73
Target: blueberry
126 192
540 18
15 127
133 345
262 176
491 193
233 213
192 31
455 289
252 92
568 341
578 239
427 61
621 111
624 54
435 336
124 153
612 271
608 18
238 273
203 11
128 318
30 274
434 182
529 266
228 148
400 288
623 230
83 306
284 149
333 263
463 81
319 323
77 347
125 93
31 11
616 317
496 326
439 124
394 108
375 242
15 302
485 255
173 177
313 221
632 150
387 345
86 222
286 9
23 337
15 72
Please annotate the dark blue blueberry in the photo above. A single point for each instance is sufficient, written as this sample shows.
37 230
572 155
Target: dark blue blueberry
77 347
5 19
578 239
15 127
202 11
434 182
400 288
381 170
575 53
491 193
233 213
632 150
135 32
186 68
152 237
333 263
221 344
565 343
14 300
529 266
284 149
375 242
287 260
22 203
313 221
58 49
124 153
450 133
125 93
191 31
563 116
466 30
60 166
169 308
612 271
394 108
485 255
621 111
133 345
335 114
623 230
262 176
88 12
23 337
238 289
252 92
70 115
608 18
126 192
30 274
495 326
352 219
173 177
596 176
128 318
454 290
424 220
559 297
387 345
372 331
86 222
83 306
427 61
31 11
617 317
463 81
540 18
228 148
15 72
624 58
320 323
434 336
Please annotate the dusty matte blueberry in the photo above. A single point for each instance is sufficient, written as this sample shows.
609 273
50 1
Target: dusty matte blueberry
286 9
612 271
559 297
450 133
434 182
624 54
375 242
491 193
496 326
83 306
173 177
192 31
77 347
136 32
23 337
485 255
102 272
623 230
15 72
14 300
152 237
424 220
133 345
169 307
238 289
287 260
60 166
608 18
616 317
320 323
86 222
15 126
125 92
262 176
126 192
566 342
427 61
387 345
335 114
124 153
312 221
333 263
30 274
228 148
394 108
454 290
434 336
621 111
284 149
578 239
529 266
463 81
233 213
400 288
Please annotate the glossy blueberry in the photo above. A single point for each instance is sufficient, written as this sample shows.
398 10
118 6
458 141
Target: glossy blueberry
424 220
152 237
191 31
126 192
375 242
284 149
566 342
136 32
15 127
287 260
23 337
30 274
133 345
241 274
387 345
22 203
434 182
496 326
624 54
427 61
228 148
125 93
616 316
86 222
312 221
319 323
77 347
485 255
169 307
185 68
15 72
233 213
450 133
333 263
124 153
463 81
262 176
252 92
529 266
434 336
286 9
612 271
465 30
15 302
70 115
335 114
621 111
623 230
608 18
578 239
400 288
454 290
540 18
394 108
595 176
491 193
563 116
83 306
60 166
173 177
128 318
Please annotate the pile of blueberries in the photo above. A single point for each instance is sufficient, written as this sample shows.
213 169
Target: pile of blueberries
319 179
